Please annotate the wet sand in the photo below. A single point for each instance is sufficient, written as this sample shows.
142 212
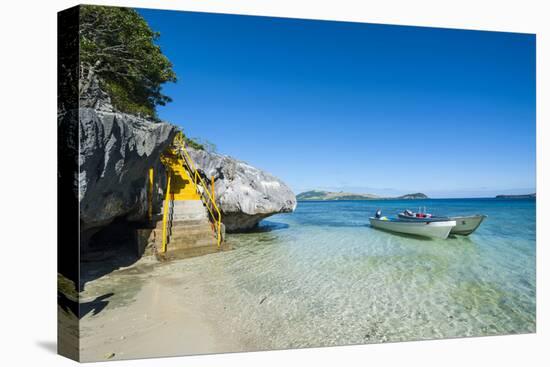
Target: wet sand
147 311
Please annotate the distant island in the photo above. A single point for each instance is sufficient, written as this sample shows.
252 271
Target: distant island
329 195
524 196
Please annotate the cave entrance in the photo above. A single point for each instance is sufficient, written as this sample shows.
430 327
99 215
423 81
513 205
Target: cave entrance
111 248
116 239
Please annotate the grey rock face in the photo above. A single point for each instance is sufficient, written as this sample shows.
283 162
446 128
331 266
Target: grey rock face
245 194
116 152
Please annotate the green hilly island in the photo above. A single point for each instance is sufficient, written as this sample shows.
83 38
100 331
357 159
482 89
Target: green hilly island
330 195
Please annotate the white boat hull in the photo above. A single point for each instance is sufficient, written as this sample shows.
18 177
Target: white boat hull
425 229
466 225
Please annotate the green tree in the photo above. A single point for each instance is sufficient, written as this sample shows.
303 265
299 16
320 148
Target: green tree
204 144
118 48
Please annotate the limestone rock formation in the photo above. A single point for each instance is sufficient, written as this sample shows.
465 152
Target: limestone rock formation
116 152
245 194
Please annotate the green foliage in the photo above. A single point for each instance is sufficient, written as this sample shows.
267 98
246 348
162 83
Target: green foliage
117 45
122 99
206 145
193 144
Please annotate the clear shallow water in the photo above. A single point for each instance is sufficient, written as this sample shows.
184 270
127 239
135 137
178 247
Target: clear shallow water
322 276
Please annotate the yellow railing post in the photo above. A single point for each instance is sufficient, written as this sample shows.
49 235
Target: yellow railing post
150 195
219 238
165 212
213 189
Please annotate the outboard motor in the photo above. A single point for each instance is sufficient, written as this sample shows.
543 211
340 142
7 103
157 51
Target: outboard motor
378 214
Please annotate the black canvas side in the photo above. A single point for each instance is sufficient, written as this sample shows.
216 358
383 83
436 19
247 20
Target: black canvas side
67 183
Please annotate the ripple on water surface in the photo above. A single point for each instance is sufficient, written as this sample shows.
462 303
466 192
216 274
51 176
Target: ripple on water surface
322 276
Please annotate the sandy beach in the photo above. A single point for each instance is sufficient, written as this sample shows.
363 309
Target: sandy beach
146 311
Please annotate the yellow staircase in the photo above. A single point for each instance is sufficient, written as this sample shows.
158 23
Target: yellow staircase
183 187
191 220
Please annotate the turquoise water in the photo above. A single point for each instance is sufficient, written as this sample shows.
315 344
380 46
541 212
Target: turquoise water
322 276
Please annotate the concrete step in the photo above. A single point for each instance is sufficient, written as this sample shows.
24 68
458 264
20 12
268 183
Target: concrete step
192 239
189 210
192 224
183 253
190 243
190 232
196 232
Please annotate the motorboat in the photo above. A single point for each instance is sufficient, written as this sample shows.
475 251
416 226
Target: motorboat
431 229
465 225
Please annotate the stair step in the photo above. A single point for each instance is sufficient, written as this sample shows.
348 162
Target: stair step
191 227
175 253
192 237
190 223
188 244
198 231
183 226
184 253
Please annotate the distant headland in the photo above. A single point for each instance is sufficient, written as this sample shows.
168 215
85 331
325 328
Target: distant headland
330 195
524 196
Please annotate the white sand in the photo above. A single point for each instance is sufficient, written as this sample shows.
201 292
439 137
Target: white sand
165 317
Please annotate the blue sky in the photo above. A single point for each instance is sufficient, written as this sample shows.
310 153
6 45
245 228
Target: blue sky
357 107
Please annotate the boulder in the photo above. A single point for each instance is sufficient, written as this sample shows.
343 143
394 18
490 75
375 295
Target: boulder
245 194
116 152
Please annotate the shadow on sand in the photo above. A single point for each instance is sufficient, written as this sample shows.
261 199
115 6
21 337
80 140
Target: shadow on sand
95 306
100 263
110 249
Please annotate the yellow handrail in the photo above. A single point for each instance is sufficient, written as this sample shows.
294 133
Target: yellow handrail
165 212
189 161
150 195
